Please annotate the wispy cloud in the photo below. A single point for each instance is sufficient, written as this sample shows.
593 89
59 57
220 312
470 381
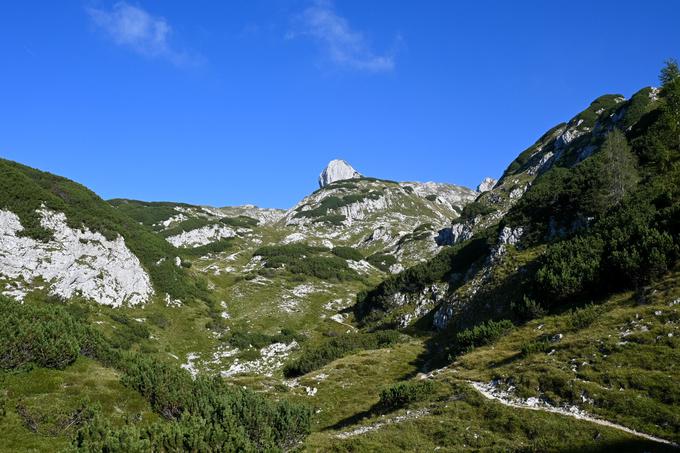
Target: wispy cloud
133 27
344 46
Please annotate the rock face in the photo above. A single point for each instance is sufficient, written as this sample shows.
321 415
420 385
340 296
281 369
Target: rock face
201 236
337 170
74 262
486 185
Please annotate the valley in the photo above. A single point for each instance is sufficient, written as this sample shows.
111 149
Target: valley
539 312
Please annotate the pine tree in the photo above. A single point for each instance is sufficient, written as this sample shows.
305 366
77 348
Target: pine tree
669 72
618 167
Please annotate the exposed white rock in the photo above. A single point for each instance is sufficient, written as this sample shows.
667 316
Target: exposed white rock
449 194
201 236
170 302
271 358
294 237
74 262
486 185
174 219
190 365
337 170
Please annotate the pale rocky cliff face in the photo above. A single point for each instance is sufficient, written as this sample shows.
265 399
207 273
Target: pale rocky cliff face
486 185
74 262
337 170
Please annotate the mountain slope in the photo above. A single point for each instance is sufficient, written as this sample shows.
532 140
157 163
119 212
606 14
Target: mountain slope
68 234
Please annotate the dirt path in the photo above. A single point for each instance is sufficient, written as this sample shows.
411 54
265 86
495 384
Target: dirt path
411 415
493 392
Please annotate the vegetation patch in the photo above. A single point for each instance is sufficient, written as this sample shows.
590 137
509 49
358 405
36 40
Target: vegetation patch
404 393
315 357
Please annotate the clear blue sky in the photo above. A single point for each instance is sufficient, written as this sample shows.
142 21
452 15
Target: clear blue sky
236 102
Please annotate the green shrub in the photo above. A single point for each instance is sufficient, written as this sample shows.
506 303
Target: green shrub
533 347
147 213
580 318
315 357
332 219
220 246
241 221
348 253
303 259
382 261
404 393
527 309
472 210
479 335
46 336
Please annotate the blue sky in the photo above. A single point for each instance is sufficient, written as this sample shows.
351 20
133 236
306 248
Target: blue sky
236 102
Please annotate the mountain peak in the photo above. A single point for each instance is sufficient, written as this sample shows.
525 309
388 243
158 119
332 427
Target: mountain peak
486 185
337 170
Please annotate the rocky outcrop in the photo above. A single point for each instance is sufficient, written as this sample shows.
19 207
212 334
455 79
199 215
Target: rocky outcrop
201 236
486 185
337 170
74 262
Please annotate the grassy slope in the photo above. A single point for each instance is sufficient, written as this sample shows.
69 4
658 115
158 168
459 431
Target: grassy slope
50 395
634 384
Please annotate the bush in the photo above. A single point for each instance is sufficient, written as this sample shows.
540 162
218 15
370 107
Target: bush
241 221
315 357
348 253
533 347
472 210
303 259
404 393
45 336
479 335
382 261
220 246
527 309
580 318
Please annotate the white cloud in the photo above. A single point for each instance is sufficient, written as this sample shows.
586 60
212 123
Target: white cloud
132 27
344 46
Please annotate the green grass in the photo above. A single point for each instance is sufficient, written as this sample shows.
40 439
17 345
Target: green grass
629 378
50 395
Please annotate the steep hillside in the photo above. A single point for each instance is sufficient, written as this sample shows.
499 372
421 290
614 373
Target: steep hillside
59 237
573 181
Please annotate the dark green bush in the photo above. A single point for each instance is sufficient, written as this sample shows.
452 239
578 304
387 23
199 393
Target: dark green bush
479 335
382 261
348 253
404 393
205 414
241 221
302 259
533 347
46 336
315 357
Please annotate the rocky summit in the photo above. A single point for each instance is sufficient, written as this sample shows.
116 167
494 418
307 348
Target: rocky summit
486 184
337 170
